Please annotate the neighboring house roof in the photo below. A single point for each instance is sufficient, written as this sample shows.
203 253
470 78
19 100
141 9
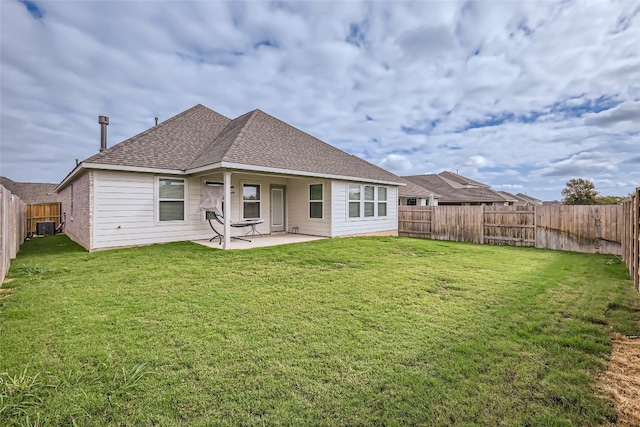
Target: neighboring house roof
459 181
199 139
513 198
529 199
412 190
456 193
31 192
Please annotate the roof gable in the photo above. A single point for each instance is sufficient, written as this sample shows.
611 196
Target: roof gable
449 193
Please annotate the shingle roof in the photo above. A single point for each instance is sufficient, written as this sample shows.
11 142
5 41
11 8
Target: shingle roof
172 144
461 180
448 193
412 190
200 137
31 192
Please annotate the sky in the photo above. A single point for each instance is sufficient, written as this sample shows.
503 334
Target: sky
520 95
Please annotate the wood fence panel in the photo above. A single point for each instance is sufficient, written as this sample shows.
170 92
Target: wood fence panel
42 212
631 236
415 221
587 229
12 228
457 223
509 225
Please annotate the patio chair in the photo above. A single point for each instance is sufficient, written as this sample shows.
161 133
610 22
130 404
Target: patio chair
213 215
211 201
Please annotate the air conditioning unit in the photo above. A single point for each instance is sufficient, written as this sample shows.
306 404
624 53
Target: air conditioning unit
45 228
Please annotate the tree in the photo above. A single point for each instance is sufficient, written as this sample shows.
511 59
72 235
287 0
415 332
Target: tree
611 200
580 192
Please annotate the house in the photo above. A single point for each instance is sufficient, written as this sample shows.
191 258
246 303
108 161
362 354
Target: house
454 189
147 188
414 195
521 199
31 192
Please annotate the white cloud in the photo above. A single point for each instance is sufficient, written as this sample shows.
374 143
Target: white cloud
517 93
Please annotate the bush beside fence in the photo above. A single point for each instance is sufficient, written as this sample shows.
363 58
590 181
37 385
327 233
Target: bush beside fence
13 214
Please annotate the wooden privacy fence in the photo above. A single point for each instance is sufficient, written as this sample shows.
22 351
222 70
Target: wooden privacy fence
42 212
12 228
631 236
590 229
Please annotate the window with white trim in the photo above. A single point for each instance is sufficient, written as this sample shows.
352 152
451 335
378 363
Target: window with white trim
354 201
382 201
171 204
250 201
367 201
316 204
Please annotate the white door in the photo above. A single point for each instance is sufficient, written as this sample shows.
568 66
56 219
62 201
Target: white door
277 209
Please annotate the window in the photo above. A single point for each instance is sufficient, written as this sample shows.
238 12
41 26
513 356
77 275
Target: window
382 201
250 201
171 199
412 202
315 201
367 201
354 201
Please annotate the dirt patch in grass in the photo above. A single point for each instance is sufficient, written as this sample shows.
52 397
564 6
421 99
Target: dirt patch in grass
622 379
5 292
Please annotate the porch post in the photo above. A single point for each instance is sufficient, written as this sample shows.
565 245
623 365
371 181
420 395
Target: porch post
227 210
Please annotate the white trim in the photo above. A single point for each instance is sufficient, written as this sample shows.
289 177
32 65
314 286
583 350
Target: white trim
133 169
156 200
309 201
362 201
242 201
221 165
243 167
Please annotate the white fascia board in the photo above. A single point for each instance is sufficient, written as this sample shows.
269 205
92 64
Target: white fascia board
253 168
85 166
132 169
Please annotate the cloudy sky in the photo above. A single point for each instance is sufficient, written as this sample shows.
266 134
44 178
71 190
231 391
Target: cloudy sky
520 95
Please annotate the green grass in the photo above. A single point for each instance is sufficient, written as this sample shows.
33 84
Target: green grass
363 331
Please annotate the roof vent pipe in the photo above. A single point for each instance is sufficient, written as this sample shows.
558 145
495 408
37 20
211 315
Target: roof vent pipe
104 122
156 121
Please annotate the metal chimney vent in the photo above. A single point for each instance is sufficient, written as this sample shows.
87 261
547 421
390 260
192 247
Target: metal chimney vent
104 122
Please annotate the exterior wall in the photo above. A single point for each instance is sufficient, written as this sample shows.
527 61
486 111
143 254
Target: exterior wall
299 208
125 211
342 225
76 200
265 182
117 209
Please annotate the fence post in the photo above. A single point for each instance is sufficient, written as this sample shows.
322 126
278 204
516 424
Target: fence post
482 220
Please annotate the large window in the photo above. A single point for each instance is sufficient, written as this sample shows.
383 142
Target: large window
250 201
367 201
171 199
315 201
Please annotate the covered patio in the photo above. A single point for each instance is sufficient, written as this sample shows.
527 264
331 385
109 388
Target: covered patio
261 241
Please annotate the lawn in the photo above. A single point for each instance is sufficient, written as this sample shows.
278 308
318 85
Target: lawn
362 331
